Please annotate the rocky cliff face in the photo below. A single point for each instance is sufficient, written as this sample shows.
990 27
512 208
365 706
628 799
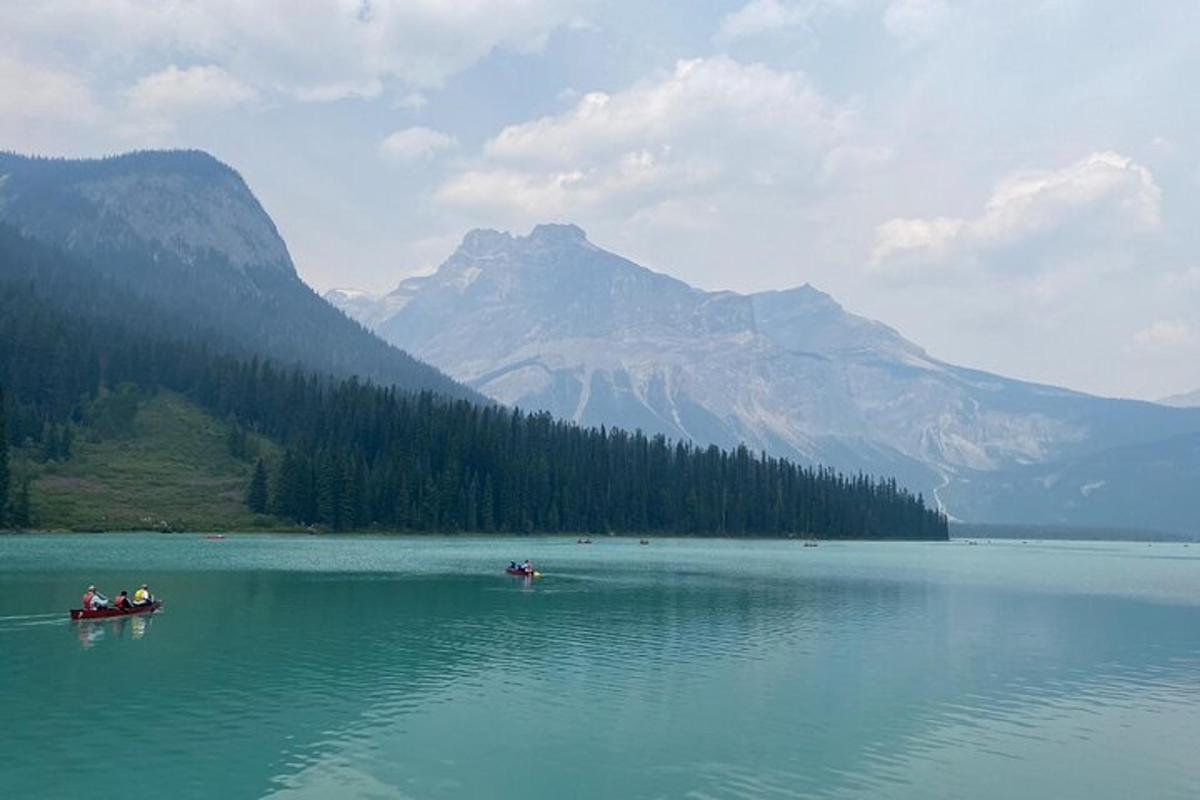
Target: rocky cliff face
551 321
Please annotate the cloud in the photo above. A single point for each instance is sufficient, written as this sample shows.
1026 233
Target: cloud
415 144
365 89
1101 197
761 17
778 18
706 124
914 21
33 93
175 91
1165 334
334 49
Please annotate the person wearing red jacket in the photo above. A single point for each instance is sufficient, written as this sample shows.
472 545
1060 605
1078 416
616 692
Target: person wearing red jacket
93 600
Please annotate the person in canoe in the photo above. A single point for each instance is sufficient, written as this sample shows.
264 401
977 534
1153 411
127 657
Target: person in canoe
142 596
122 603
93 600
527 567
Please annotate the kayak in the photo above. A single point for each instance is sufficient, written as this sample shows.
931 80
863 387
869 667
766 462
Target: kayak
105 613
520 573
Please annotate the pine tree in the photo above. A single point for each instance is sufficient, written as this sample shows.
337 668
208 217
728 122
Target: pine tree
22 514
256 493
66 443
4 473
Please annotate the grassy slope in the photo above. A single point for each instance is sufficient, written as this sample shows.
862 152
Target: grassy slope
175 470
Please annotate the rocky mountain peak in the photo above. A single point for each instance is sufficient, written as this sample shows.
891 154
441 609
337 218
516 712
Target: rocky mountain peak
183 204
558 234
483 242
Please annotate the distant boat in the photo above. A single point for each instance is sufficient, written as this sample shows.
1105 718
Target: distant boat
810 543
583 541
215 537
644 541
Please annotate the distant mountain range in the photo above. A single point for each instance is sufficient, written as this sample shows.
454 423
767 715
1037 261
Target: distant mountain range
183 231
1187 400
551 321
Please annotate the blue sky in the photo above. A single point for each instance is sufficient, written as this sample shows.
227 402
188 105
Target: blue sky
1012 185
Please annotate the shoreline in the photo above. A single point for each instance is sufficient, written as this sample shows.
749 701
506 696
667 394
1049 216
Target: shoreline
454 534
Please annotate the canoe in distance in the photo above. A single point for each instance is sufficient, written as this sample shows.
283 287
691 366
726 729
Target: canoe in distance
106 613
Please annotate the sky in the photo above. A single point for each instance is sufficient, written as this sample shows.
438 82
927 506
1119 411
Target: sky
1012 185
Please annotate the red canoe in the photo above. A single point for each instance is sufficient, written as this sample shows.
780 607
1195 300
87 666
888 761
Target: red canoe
105 613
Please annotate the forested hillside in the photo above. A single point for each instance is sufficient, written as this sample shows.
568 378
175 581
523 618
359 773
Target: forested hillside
184 233
77 350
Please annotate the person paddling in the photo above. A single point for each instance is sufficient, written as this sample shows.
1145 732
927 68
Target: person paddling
93 600
142 596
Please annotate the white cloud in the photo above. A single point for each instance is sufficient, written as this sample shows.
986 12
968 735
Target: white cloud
789 18
914 21
415 144
34 93
1165 334
366 89
708 123
174 91
333 49
761 17
1100 197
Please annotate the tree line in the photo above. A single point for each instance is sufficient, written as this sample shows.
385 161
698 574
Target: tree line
76 348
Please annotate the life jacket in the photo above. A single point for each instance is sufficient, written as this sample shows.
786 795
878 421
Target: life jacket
123 601
141 596
87 600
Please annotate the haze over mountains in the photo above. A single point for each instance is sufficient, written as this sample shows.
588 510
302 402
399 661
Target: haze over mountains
183 231
552 321
155 282
1185 400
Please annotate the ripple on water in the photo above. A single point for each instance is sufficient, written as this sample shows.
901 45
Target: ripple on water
286 667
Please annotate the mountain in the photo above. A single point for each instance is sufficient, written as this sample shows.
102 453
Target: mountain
184 232
117 417
1158 479
1187 400
551 321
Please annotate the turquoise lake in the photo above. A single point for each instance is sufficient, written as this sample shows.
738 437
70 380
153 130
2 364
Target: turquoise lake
326 667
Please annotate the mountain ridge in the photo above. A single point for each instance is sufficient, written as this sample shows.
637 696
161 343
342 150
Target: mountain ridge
551 321
185 232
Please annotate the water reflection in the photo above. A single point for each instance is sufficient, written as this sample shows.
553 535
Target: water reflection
91 632
642 679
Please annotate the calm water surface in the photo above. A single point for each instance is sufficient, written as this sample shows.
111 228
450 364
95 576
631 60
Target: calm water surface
305 667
